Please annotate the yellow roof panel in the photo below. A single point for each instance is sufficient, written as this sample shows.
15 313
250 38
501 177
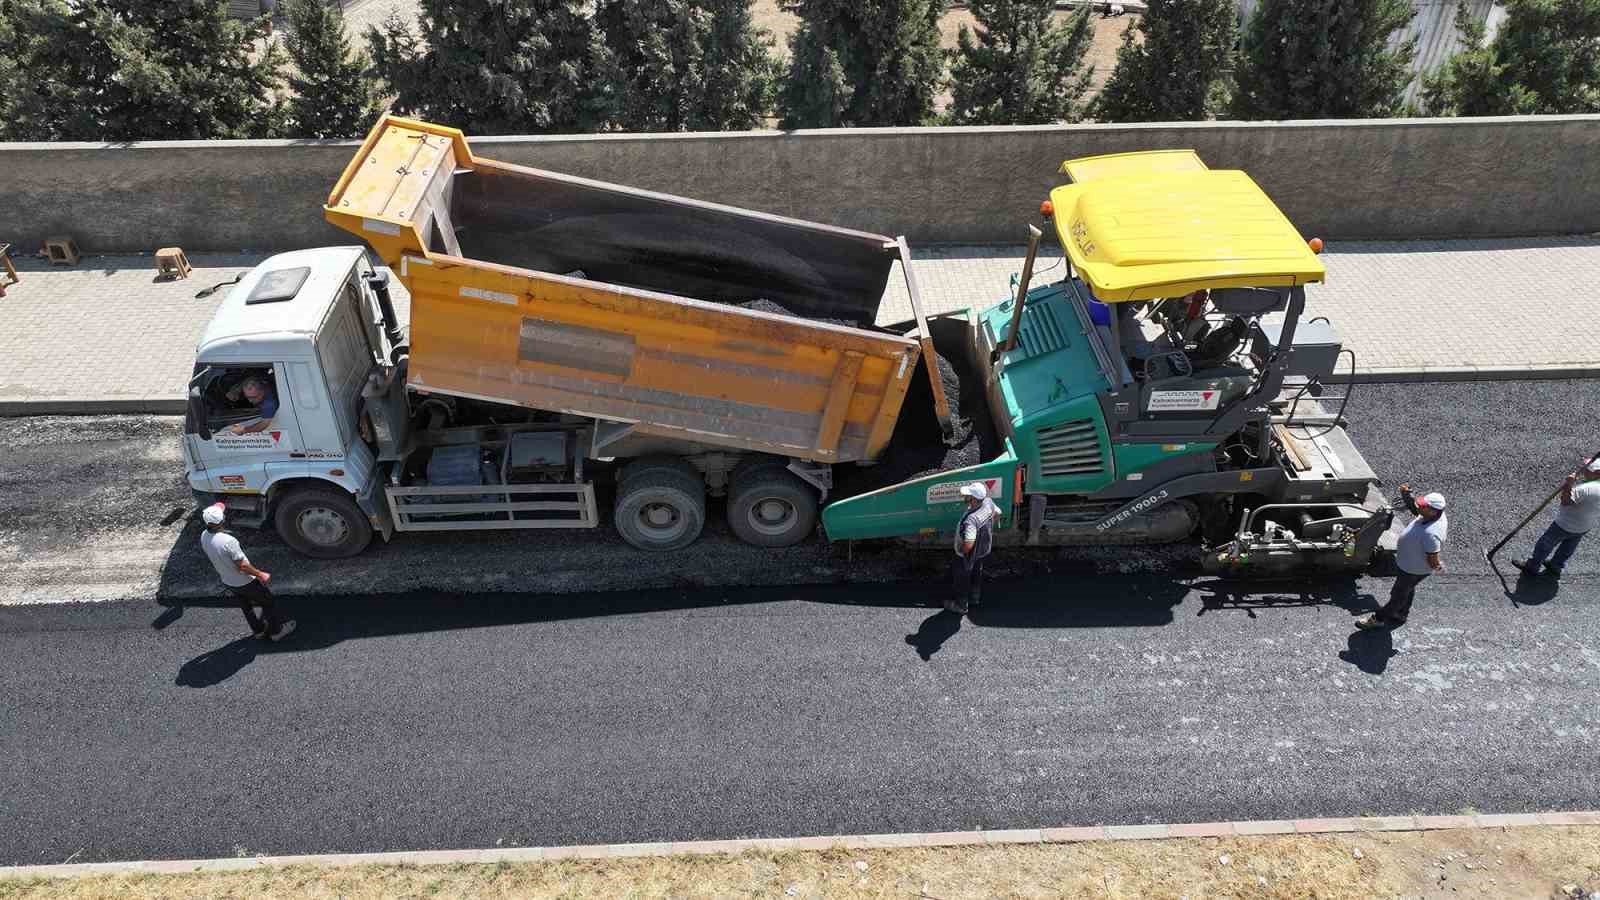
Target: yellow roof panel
1094 168
1144 232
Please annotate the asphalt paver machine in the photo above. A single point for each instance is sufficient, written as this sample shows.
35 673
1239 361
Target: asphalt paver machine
1168 383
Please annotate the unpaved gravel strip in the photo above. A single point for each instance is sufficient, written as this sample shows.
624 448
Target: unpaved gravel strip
96 509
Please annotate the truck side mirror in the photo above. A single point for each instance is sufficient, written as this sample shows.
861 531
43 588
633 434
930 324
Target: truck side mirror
197 413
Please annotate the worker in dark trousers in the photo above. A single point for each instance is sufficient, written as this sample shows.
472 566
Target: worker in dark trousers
974 540
1578 513
1418 554
243 580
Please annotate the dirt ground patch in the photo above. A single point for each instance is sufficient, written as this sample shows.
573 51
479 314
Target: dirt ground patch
1495 863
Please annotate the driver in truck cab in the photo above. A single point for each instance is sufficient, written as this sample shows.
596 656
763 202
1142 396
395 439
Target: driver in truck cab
257 391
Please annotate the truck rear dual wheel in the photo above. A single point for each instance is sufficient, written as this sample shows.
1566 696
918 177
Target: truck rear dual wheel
769 506
660 507
322 523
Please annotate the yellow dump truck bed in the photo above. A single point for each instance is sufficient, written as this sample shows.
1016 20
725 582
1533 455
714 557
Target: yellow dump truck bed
565 294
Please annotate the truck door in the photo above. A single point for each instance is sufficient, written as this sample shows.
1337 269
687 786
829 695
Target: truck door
241 419
346 357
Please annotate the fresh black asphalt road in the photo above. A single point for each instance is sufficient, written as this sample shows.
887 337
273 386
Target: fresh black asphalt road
134 730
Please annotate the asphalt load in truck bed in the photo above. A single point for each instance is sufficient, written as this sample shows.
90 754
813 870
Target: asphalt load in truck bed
918 446
767 306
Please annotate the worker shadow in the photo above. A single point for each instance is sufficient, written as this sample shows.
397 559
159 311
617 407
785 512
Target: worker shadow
1369 651
933 632
1224 594
216 666
1534 590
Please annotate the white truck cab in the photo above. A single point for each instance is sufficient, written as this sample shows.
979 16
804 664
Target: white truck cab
274 419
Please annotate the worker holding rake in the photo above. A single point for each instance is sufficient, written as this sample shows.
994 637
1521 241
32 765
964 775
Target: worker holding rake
1578 513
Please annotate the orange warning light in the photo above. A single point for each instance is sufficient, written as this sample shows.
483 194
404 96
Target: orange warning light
1047 209
1315 244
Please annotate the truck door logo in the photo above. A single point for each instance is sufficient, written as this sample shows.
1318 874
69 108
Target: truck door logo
1171 401
254 440
950 491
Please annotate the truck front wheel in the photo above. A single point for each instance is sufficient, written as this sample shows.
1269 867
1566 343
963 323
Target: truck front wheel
322 523
661 509
769 507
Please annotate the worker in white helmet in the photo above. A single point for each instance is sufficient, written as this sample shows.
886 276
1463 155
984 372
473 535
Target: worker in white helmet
1418 554
974 540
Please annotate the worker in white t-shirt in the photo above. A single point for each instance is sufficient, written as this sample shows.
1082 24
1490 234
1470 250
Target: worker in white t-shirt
243 580
1575 517
1418 554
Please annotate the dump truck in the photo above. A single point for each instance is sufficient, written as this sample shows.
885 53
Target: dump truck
1166 384
564 334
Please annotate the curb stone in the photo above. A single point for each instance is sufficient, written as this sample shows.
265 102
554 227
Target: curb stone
1064 835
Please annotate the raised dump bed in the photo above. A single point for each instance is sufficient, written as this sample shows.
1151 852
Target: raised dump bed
593 299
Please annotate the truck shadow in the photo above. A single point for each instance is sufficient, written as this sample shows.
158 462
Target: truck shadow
326 621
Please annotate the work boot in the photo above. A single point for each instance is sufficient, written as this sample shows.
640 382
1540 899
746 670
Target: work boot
1552 571
285 631
1525 568
955 606
1370 621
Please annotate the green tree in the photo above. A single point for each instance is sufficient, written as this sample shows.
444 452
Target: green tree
499 66
863 62
689 65
1321 59
1174 72
1544 59
334 94
118 70
1020 68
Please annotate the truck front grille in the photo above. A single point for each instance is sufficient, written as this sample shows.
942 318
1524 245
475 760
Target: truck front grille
1071 448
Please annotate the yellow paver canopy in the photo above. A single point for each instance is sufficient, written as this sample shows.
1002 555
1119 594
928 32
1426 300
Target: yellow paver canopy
1141 226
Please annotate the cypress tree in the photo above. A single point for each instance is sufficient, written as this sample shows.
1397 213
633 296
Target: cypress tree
1544 59
499 66
689 65
1173 73
863 62
1020 68
333 90
121 70
1319 59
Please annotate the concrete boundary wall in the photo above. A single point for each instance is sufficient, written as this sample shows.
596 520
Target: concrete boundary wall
1375 179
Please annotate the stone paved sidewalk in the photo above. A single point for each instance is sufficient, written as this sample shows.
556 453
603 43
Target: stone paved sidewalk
1457 310
107 336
